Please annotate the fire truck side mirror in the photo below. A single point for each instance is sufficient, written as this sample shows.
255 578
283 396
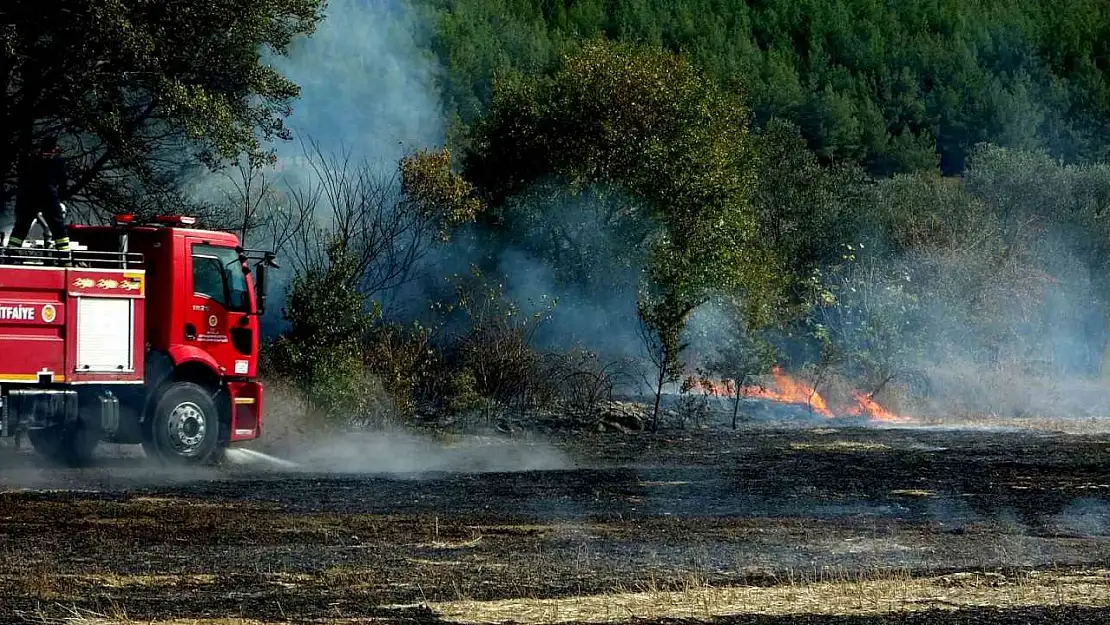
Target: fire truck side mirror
260 288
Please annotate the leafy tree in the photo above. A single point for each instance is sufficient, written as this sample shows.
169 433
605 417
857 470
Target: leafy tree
140 90
805 209
868 308
739 360
387 222
379 229
647 122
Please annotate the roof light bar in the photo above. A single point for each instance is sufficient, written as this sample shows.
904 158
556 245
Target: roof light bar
176 220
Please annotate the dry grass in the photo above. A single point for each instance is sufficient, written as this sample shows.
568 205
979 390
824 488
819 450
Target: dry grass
1081 426
839 446
912 492
862 597
56 587
447 544
866 597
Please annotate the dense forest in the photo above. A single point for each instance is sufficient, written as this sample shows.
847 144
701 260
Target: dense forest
904 200
895 87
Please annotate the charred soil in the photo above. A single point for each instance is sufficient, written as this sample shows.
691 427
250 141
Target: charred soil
762 525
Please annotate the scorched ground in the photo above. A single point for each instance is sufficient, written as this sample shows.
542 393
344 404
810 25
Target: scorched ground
766 525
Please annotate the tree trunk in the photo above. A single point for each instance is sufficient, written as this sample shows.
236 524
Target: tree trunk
659 394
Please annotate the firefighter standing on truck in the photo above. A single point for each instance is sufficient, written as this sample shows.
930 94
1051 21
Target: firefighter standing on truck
42 178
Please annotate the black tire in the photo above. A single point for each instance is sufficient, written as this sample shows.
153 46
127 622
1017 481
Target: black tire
184 427
71 446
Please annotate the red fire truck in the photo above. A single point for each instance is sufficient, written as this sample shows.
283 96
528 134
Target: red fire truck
147 333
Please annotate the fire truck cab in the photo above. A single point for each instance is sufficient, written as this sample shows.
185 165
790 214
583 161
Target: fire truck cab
146 333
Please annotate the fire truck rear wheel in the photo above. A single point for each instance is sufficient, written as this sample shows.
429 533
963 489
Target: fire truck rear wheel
184 426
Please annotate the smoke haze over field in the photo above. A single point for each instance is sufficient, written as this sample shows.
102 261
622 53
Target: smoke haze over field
368 95
406 453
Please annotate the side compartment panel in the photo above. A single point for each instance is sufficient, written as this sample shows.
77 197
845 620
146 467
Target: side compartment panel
106 313
32 325
105 335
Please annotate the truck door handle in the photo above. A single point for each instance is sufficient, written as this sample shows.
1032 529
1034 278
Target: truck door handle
190 331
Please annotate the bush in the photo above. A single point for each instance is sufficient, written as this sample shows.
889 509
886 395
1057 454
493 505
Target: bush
321 353
492 356
584 382
405 361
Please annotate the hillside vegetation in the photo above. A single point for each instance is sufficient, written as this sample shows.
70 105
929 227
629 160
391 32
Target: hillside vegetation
893 86
905 202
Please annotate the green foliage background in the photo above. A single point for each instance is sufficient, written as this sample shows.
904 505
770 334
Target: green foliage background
894 86
877 190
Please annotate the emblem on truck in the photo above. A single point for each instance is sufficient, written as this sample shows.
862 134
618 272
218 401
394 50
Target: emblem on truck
48 313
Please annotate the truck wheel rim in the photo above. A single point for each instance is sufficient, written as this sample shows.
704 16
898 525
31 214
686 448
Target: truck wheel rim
186 427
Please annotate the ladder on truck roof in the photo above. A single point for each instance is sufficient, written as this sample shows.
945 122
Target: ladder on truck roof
41 252
44 256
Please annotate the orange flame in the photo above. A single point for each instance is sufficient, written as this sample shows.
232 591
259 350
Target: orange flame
872 409
791 391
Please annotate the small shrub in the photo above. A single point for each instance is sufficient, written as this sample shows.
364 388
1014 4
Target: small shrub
321 354
404 360
584 382
693 402
495 348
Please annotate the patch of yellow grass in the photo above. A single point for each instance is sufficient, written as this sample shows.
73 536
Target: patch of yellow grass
1079 426
527 529
183 501
443 544
824 598
698 601
426 562
913 492
839 446
114 580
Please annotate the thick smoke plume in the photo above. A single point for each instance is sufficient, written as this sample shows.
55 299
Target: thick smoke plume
367 84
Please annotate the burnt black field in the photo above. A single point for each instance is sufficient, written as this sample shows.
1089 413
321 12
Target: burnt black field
756 507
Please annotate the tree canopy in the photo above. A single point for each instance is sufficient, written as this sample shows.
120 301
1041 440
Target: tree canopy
893 86
138 91
645 121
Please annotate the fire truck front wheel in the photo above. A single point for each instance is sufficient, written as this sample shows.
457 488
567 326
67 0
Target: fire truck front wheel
184 426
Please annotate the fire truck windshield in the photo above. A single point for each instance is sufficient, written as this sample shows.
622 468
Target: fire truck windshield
216 275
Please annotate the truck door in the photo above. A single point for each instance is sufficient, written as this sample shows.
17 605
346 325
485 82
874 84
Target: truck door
218 317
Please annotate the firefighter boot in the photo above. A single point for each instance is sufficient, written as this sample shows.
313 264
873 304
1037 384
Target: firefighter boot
14 249
61 245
